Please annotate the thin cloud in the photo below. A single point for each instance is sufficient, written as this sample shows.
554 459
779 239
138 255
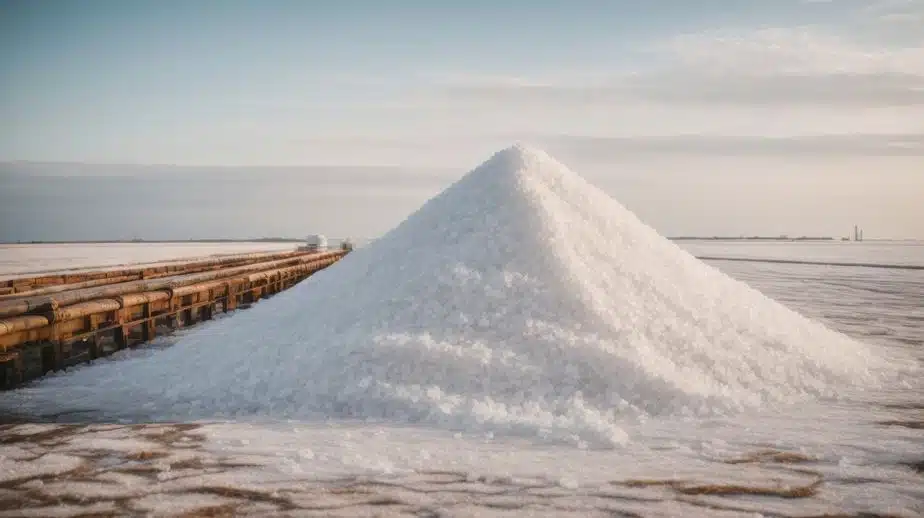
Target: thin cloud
886 89
840 145
791 50
894 11
794 66
787 66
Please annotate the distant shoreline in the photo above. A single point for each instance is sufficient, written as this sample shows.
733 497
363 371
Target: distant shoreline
153 241
295 240
791 239
754 238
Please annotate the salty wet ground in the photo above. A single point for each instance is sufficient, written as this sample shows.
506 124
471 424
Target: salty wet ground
820 462
100 470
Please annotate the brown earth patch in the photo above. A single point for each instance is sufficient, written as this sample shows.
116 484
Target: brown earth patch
737 490
915 425
780 457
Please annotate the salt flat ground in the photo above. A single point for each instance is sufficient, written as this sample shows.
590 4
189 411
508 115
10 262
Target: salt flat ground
862 458
17 260
870 252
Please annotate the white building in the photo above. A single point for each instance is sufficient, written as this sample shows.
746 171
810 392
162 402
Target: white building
316 242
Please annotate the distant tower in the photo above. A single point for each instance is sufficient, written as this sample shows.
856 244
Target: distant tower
861 234
856 233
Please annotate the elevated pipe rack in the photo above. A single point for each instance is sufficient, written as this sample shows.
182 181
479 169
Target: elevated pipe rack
51 330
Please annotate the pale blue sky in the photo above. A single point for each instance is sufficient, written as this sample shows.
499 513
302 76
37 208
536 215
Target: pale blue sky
210 82
604 85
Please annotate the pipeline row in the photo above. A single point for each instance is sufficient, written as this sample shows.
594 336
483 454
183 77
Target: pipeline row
44 303
64 281
42 311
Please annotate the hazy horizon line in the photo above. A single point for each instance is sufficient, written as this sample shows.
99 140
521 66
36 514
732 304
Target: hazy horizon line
848 144
202 166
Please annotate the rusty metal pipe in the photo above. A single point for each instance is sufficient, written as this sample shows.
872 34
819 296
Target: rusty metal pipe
67 287
15 307
196 288
174 266
83 309
21 323
134 299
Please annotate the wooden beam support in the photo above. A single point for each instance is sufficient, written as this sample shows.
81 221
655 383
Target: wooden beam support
148 329
93 340
231 297
121 332
173 317
189 316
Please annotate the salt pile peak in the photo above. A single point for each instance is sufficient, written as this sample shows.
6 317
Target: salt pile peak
521 298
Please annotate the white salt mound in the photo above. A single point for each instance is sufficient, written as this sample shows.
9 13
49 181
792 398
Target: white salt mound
521 299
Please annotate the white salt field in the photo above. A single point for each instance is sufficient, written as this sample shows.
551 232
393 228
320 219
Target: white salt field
17 260
908 254
521 345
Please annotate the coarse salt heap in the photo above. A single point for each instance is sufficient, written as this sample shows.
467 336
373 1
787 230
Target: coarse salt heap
520 299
